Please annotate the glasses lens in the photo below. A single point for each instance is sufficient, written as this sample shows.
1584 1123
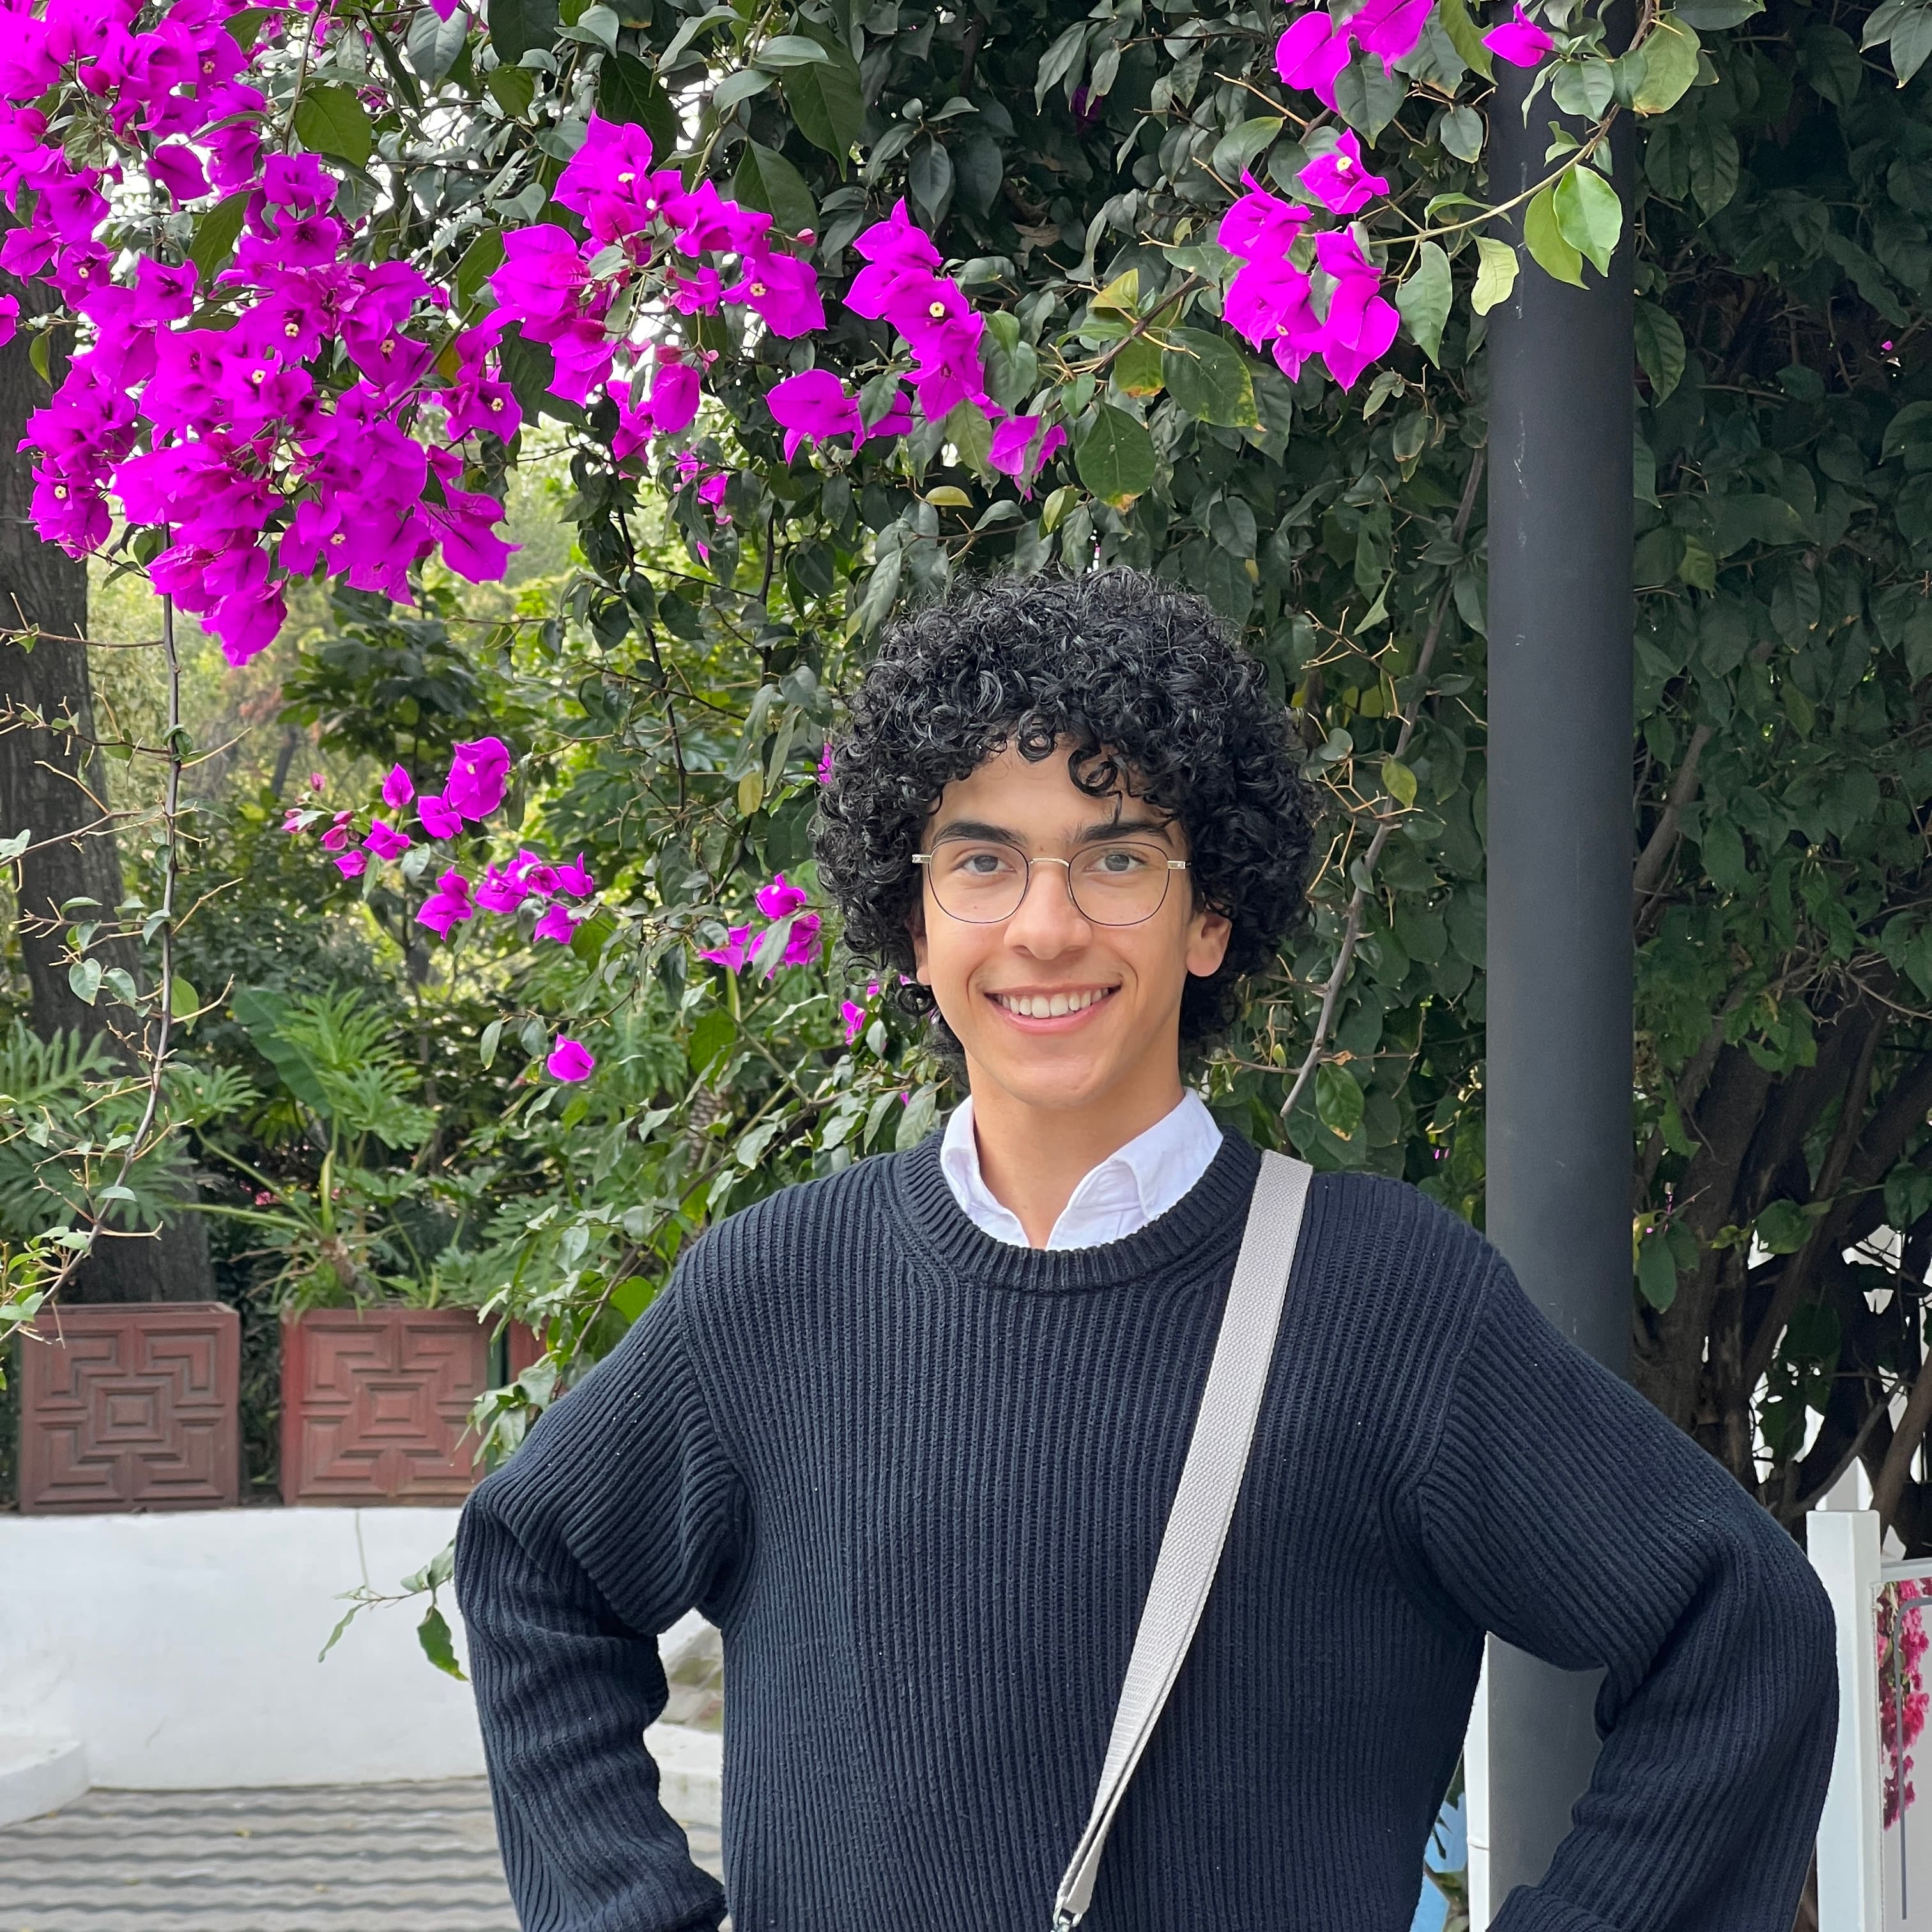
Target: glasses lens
981 883
1121 883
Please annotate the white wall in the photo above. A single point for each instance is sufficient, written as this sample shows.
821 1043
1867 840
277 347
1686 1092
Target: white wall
180 1648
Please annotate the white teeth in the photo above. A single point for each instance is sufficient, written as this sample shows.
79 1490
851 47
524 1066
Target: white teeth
1050 1005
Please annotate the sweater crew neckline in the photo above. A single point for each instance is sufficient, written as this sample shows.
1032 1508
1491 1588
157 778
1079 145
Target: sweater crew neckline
1199 1231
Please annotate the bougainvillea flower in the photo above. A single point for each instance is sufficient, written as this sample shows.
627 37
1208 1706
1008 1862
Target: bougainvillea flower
1338 180
780 898
448 905
674 397
825 764
1022 446
575 879
949 371
570 1060
438 817
338 834
558 922
179 170
783 291
500 891
801 948
812 406
386 842
398 789
1359 325
735 950
477 771
351 865
1519 41
853 1016
1261 226
9 317
1267 299
608 180
1391 29
1311 54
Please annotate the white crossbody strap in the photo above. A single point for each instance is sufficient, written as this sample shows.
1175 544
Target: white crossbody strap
1204 1504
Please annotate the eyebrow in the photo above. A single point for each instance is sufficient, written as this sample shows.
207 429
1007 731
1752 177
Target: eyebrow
1088 835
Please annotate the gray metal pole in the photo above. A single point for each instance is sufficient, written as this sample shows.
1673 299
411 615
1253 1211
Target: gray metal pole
1558 1083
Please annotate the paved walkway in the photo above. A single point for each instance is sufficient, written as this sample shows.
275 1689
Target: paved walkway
371 1858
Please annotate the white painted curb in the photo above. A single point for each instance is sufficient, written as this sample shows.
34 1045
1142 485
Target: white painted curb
38 1775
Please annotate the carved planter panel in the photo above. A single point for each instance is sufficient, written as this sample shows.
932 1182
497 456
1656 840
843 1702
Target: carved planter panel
131 1406
376 1404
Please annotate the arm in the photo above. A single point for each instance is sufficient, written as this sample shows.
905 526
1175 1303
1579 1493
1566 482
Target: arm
618 1514
1564 1512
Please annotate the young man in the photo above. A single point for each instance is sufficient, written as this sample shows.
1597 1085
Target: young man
909 1435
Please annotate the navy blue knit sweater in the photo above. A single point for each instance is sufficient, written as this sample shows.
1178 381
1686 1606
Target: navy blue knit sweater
918 1477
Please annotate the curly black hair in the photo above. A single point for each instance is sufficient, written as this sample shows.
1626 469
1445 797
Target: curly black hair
1146 685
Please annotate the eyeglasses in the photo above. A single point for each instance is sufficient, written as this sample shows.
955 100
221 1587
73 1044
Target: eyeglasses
1120 882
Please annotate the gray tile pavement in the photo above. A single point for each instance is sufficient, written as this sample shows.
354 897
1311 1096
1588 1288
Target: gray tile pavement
372 1857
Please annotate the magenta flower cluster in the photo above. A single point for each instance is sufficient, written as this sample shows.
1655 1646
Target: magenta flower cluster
778 900
471 790
256 468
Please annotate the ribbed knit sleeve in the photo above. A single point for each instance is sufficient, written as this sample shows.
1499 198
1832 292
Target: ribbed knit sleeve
619 1514
1563 1512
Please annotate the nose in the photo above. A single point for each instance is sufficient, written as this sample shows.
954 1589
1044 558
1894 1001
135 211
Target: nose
1046 922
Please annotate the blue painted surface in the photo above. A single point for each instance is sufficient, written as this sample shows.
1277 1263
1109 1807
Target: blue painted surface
1447 1850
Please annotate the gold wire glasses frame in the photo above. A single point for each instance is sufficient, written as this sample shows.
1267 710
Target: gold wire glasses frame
1121 882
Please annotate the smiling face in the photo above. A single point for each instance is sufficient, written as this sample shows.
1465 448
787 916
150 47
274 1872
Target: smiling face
1056 1010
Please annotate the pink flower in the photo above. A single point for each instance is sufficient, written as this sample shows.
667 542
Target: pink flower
570 1060
825 764
448 905
1392 29
853 1016
9 317
384 841
338 834
1311 54
1022 446
783 291
1337 179
500 891
801 948
398 789
735 950
575 879
673 398
779 898
351 864
316 781
477 772
178 169
1520 41
810 407
439 818
558 922
1359 325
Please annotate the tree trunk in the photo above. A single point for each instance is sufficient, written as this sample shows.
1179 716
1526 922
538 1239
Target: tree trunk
51 785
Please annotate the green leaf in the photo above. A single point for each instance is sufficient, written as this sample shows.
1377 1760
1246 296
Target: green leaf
1236 151
432 1633
1060 61
184 1002
1115 456
1669 66
1139 369
1911 42
1660 349
245 26
789 50
1544 240
969 432
1423 300
1589 216
433 46
331 120
915 1123
1398 781
486 1047
929 181
83 978
513 88
1495 274
1714 164
517 26
481 260
216 233
1338 1100
744 84
1465 37
827 100
769 182
628 91
1829 60
1784 1227
1461 134
1656 1270
1210 379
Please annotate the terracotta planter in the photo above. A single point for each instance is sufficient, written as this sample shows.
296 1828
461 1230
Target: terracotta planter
133 1405
376 1404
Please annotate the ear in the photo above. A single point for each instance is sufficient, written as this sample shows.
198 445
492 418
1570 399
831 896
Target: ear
916 932
1208 933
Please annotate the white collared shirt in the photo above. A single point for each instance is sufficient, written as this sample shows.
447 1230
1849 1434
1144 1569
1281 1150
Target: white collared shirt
1119 1197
